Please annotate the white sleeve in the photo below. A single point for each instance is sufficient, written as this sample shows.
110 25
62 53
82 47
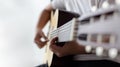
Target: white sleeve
58 4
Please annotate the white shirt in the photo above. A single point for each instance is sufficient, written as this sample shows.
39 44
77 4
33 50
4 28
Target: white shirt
78 6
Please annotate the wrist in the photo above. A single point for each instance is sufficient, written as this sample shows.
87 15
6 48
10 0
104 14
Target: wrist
39 28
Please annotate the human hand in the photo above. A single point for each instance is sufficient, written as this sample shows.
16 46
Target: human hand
39 35
70 48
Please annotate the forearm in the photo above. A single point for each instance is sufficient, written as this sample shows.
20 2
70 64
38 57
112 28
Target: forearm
44 18
81 49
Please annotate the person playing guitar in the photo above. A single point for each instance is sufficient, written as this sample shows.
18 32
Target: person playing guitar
70 48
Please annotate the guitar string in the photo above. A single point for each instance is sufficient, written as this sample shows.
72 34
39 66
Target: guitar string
65 28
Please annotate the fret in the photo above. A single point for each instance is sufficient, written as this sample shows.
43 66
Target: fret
112 39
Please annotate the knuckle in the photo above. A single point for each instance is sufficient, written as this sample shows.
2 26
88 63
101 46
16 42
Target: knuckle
36 41
60 54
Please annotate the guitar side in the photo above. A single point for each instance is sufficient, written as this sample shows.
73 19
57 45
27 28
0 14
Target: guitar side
53 26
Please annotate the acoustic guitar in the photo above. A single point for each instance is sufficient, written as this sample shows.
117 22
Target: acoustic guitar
64 26
97 31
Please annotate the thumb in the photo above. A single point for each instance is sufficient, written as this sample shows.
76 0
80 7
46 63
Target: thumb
57 50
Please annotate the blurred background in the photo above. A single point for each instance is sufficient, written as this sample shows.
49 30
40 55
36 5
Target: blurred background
18 19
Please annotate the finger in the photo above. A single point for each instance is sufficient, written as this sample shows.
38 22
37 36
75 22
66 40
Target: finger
39 43
53 41
36 39
57 50
45 37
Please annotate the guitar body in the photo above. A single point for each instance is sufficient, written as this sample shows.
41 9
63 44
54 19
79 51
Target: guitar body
58 18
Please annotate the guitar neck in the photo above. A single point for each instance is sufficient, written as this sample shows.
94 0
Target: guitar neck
99 32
